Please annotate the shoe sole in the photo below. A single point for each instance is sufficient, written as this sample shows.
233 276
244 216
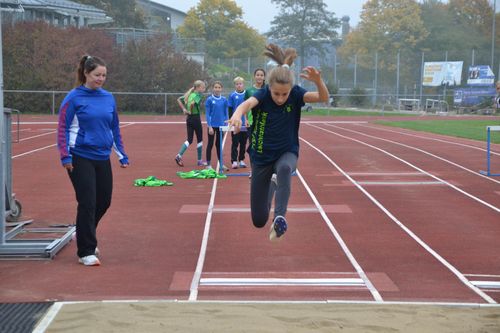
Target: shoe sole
273 236
179 163
97 263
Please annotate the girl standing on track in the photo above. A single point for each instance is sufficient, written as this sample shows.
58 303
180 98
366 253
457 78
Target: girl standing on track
216 113
274 146
88 128
190 103
259 78
238 140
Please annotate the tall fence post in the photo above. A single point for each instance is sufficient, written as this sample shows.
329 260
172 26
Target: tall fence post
165 103
422 66
397 76
375 83
53 102
355 70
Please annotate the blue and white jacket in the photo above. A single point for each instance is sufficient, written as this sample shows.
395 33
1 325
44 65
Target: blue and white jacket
89 126
216 111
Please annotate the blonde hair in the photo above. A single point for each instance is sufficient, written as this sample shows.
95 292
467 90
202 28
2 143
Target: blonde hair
284 58
238 79
196 84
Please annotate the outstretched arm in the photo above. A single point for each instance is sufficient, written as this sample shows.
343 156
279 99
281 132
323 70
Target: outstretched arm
312 74
241 110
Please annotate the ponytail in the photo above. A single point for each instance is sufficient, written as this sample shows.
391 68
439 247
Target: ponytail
86 65
284 58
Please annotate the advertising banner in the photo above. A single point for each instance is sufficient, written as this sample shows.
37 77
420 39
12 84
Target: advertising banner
442 73
480 75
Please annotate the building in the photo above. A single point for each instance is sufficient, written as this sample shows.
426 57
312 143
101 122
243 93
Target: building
160 17
55 12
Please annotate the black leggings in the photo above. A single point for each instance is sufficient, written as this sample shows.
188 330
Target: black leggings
193 124
238 140
93 184
210 144
262 189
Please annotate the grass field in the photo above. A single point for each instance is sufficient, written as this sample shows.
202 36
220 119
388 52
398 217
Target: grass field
462 128
467 128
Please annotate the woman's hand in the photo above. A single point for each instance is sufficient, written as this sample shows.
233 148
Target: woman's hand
125 165
210 130
311 74
68 166
235 121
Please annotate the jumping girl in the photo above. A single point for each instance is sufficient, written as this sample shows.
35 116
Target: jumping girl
190 103
274 146
216 113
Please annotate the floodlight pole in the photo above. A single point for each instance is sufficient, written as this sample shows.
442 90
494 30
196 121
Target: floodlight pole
493 34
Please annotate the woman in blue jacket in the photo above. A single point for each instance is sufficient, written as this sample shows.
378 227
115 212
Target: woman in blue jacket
88 128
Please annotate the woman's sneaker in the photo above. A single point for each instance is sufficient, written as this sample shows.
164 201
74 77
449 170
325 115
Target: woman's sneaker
278 228
234 165
178 160
91 260
242 164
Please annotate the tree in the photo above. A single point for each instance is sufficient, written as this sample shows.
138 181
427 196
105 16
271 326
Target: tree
305 25
220 23
125 13
385 27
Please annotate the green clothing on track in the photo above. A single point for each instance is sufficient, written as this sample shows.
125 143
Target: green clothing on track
152 181
200 174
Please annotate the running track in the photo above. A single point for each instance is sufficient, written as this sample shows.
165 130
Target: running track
376 214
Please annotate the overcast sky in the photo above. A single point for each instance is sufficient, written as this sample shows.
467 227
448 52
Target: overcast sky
259 13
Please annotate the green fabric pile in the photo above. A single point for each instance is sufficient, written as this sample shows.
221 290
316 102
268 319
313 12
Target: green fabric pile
200 174
152 181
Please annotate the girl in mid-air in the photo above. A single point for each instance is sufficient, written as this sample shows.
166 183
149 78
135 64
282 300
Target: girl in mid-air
274 146
216 113
190 103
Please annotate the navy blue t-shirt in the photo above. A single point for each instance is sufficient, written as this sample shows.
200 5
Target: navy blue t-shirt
275 127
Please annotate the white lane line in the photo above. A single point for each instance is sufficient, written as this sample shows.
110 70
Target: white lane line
443 261
43 148
419 150
48 318
34 151
428 138
312 282
37 136
381 174
398 183
496 209
376 295
193 290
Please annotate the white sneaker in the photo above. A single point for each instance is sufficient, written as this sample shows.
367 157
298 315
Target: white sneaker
234 165
91 260
225 168
242 164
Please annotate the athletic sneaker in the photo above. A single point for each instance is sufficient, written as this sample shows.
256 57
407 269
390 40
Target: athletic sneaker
209 167
242 164
234 165
201 163
224 168
91 260
178 160
278 228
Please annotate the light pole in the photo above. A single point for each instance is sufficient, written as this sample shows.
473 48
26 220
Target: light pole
493 35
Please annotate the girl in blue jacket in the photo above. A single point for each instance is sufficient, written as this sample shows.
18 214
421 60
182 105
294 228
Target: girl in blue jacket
88 128
217 115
